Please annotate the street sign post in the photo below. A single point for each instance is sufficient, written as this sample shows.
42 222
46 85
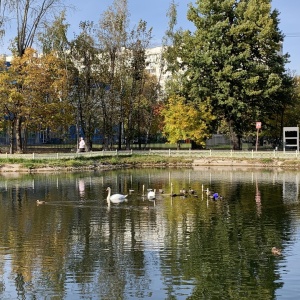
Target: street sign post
258 126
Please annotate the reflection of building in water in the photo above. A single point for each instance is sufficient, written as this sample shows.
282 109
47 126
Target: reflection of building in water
288 179
81 186
290 189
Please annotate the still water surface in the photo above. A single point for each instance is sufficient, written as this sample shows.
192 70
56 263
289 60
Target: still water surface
76 246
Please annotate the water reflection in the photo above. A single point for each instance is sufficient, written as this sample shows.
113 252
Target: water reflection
168 248
257 199
81 187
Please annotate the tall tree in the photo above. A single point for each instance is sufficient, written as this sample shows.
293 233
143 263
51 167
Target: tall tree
286 113
149 108
123 50
32 89
53 36
138 42
5 10
233 58
29 16
87 82
112 39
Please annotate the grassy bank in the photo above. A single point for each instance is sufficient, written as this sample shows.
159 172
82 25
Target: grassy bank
96 162
111 162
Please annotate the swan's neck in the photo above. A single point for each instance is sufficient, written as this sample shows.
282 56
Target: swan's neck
108 196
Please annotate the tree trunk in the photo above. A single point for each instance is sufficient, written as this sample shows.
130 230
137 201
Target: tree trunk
19 135
120 136
233 137
11 137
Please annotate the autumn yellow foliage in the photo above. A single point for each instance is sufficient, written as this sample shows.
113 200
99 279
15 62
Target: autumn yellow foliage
186 120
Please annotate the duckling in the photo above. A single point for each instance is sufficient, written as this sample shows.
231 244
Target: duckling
276 251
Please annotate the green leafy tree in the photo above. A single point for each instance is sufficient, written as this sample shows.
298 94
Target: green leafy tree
87 82
112 38
149 109
291 116
53 37
123 52
138 42
285 113
233 58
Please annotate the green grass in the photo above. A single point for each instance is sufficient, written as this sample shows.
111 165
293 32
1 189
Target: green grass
267 160
97 160
129 160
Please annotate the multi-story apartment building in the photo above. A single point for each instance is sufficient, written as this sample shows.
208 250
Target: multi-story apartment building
156 65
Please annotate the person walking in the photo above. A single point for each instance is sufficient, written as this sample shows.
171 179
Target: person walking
81 145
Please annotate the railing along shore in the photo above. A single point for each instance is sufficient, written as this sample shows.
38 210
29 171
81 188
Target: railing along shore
195 154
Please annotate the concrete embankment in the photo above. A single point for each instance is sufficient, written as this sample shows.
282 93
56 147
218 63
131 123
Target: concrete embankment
261 163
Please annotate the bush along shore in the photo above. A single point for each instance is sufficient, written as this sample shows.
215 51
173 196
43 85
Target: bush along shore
134 161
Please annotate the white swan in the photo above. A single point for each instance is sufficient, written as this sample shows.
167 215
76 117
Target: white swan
115 198
151 195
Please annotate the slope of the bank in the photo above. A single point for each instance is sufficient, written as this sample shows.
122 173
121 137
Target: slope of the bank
131 162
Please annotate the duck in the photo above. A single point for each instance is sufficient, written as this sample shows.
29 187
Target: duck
115 198
276 251
39 202
216 196
191 191
173 194
151 195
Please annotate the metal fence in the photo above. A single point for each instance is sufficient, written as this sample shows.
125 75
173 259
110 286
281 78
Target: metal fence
194 154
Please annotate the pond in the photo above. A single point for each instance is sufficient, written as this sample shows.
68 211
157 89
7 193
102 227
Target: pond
77 246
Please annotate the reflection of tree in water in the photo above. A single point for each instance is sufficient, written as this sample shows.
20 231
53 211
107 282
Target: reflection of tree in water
123 259
81 187
257 199
229 255
219 248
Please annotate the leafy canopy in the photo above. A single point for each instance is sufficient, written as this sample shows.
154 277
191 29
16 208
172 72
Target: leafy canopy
184 120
